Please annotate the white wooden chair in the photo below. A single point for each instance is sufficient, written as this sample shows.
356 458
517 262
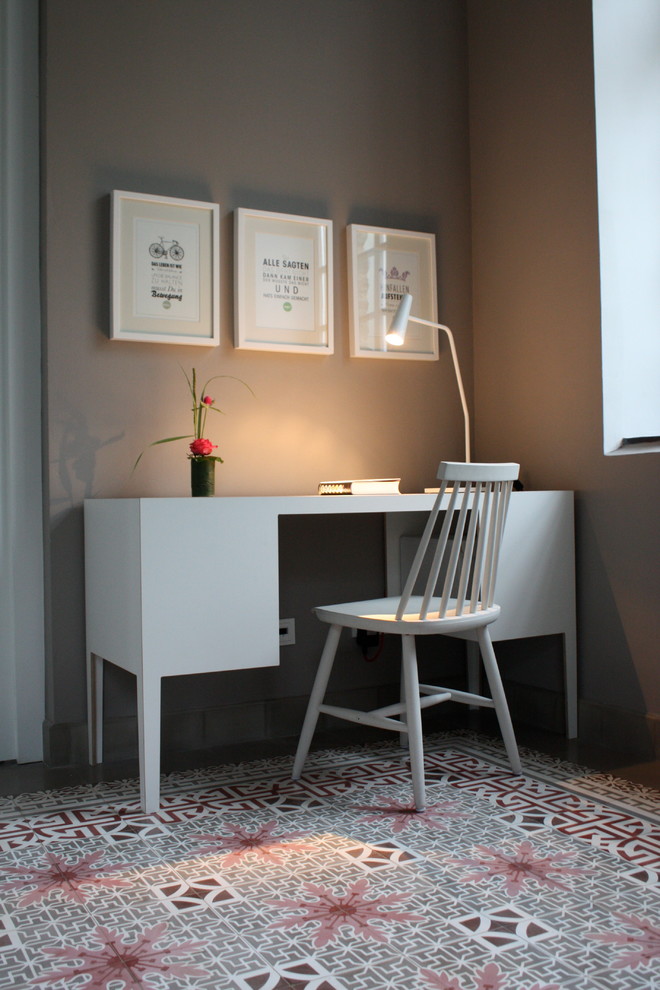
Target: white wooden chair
457 600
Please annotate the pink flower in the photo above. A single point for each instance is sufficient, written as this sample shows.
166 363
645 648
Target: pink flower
207 400
202 447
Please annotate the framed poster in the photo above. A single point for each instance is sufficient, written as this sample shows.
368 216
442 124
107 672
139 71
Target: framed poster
383 265
165 270
283 283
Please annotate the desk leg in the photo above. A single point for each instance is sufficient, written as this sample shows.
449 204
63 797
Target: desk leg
148 714
570 684
95 707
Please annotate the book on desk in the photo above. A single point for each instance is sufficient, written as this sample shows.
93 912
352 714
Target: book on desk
361 486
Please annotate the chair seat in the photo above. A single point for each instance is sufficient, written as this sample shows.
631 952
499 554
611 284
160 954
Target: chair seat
457 556
379 615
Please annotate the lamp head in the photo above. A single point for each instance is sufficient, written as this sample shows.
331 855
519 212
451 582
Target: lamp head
397 332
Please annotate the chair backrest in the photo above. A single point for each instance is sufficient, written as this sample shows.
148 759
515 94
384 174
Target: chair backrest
474 499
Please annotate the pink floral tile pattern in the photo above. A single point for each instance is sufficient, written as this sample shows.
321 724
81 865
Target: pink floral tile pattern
354 908
260 843
641 938
245 880
402 816
522 865
109 959
489 978
59 875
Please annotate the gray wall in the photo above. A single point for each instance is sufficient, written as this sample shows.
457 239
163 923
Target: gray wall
354 110
365 111
537 339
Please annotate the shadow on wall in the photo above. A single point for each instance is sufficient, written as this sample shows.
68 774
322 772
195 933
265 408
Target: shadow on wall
72 479
66 626
76 460
607 669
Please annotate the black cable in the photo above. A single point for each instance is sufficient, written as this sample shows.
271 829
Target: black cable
379 650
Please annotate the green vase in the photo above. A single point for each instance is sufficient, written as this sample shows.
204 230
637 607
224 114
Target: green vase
202 476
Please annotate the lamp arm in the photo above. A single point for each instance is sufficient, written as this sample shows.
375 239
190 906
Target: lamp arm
457 371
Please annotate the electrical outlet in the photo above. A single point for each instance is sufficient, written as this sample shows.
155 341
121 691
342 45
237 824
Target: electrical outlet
287 632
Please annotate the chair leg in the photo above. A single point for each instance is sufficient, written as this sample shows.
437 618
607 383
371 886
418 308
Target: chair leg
403 736
499 698
316 699
413 713
473 659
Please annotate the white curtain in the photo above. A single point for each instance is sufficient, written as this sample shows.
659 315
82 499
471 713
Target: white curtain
22 681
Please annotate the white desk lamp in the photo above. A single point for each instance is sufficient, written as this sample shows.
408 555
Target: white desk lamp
396 336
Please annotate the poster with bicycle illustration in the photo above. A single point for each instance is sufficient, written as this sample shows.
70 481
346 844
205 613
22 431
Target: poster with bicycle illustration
165 270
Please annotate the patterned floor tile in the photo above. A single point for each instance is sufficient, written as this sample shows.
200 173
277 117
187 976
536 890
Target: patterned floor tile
9 937
199 892
246 880
504 928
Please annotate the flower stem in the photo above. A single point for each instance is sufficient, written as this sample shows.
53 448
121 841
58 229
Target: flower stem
197 422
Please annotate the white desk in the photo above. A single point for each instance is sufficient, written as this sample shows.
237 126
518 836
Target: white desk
190 585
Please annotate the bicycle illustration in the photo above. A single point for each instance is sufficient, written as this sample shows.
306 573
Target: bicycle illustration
160 250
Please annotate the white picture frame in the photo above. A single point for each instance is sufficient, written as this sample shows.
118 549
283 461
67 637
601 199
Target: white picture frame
384 264
165 270
284 283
